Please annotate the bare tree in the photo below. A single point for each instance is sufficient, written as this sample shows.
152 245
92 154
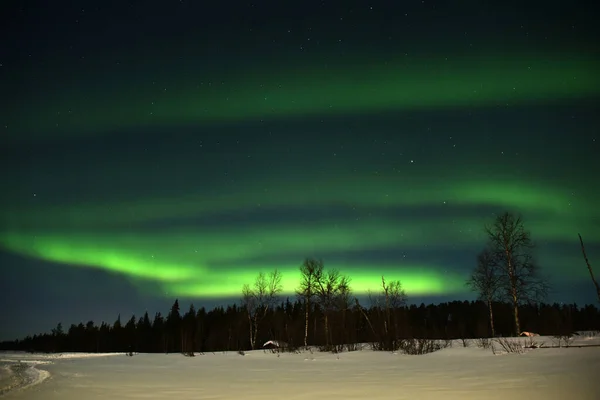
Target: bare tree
390 300
394 294
343 303
511 247
333 293
589 266
258 298
311 272
485 280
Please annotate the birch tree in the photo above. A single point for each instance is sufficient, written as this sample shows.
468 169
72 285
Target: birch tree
485 280
388 302
311 272
511 248
258 298
333 292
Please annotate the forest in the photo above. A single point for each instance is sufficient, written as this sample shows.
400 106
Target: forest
226 329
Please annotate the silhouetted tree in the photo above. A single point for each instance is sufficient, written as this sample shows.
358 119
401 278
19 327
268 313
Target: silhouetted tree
200 333
333 289
117 334
511 247
173 329
158 333
130 334
391 299
311 272
258 298
58 337
104 338
188 331
589 266
91 337
144 332
485 280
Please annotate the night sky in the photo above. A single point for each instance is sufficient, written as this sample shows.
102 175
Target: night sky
160 149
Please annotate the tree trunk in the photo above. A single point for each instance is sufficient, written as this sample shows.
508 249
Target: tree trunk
513 291
307 304
396 333
326 330
255 332
491 318
589 268
345 332
516 312
250 329
366 319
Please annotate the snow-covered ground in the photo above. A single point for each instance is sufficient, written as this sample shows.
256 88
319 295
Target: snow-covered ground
452 373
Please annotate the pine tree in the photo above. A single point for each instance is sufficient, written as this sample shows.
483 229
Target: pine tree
174 329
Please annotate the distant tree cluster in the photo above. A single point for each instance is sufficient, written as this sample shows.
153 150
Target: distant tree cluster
325 313
226 329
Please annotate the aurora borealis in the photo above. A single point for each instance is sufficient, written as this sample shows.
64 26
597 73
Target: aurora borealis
172 149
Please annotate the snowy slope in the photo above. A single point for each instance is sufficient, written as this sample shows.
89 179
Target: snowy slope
451 373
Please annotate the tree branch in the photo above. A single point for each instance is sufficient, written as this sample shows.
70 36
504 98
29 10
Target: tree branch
589 267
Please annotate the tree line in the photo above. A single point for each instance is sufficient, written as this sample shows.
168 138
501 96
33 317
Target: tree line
325 312
226 328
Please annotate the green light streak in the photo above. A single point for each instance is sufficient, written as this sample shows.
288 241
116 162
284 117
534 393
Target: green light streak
216 262
310 90
364 279
87 252
212 261
216 247
167 259
384 194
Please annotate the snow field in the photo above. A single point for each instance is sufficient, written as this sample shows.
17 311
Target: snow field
455 372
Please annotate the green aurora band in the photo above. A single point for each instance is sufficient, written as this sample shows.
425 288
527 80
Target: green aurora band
214 263
261 93
385 193
217 261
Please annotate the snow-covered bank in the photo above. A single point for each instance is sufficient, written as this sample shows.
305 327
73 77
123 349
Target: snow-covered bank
6 378
21 376
46 358
19 371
